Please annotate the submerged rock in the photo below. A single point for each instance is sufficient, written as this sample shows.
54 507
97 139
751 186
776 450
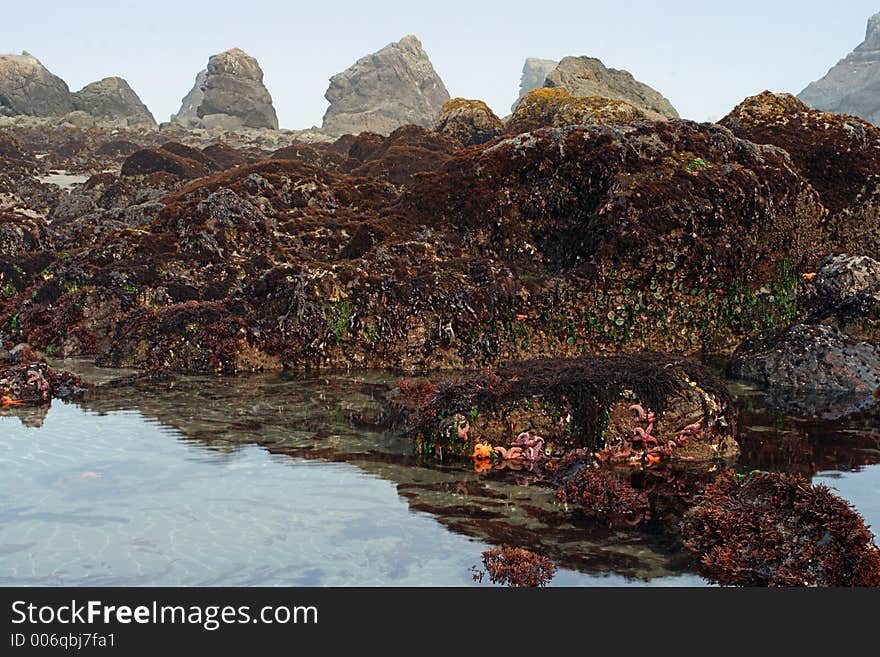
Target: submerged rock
26 380
27 87
230 95
839 155
587 76
381 92
534 73
112 99
556 108
852 86
772 529
468 122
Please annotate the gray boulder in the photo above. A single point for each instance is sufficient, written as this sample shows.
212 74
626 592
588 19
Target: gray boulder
383 91
534 72
27 87
852 86
587 76
229 94
112 99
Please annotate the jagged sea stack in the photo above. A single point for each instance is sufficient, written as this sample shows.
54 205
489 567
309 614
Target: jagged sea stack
534 73
587 76
112 99
229 94
852 86
383 91
27 87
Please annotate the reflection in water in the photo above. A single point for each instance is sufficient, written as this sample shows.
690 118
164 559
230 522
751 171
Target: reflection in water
279 480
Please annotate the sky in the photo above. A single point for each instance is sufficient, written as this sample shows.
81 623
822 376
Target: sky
704 56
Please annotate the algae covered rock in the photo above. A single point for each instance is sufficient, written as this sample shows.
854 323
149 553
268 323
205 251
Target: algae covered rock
839 155
468 122
556 108
534 73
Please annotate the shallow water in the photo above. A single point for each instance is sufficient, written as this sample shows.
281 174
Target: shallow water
274 480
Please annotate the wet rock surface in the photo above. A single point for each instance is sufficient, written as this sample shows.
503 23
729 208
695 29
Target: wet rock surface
380 92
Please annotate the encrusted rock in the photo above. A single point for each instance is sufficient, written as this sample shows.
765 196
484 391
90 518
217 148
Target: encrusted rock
587 76
556 108
381 92
468 122
839 155
807 358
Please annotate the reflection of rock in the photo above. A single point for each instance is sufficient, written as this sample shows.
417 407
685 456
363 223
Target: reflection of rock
385 90
808 358
533 75
113 100
587 76
852 86
27 87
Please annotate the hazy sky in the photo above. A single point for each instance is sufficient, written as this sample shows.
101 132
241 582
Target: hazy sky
704 56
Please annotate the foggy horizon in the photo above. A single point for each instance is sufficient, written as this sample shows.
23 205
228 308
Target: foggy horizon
704 59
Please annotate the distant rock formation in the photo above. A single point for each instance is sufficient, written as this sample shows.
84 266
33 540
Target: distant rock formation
383 91
468 122
27 87
587 76
852 86
542 108
229 94
112 99
534 73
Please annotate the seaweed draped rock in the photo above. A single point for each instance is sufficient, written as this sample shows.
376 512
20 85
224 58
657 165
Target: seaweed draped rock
669 236
621 408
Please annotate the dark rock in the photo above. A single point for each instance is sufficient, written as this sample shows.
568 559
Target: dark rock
113 99
556 108
149 161
852 86
839 155
587 76
534 73
809 358
383 91
27 87
468 122
224 156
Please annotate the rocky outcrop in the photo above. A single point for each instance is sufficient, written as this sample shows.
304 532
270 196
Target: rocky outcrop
468 122
112 99
556 108
534 73
839 155
587 76
809 358
383 91
27 87
229 95
852 86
